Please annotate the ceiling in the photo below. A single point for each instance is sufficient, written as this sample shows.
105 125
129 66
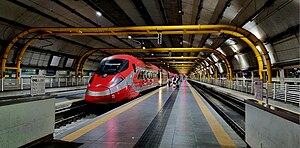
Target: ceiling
275 22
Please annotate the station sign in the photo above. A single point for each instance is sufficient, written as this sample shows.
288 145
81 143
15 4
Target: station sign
37 85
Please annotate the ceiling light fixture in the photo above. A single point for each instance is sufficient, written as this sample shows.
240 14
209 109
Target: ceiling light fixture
98 13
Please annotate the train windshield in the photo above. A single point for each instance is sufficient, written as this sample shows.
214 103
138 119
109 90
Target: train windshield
112 66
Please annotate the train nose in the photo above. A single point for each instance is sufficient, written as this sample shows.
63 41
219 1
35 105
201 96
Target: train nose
98 95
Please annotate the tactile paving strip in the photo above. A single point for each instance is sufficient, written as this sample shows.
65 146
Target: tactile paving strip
154 133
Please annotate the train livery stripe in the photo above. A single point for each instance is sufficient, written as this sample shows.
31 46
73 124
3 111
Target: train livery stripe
127 81
222 137
98 93
73 136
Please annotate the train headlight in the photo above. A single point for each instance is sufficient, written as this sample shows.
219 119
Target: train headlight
116 81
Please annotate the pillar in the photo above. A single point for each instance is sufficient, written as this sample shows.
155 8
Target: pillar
281 76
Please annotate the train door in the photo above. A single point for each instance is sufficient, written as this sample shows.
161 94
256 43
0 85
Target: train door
140 80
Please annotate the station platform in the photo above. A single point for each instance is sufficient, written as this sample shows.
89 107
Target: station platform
59 91
64 96
242 96
165 117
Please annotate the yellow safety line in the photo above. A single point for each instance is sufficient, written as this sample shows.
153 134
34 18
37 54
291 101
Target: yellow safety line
239 94
69 101
250 98
223 138
298 113
86 129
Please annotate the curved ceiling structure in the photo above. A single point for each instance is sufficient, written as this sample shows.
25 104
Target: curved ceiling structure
275 23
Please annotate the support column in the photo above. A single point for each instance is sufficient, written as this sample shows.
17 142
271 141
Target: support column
244 80
252 82
57 78
281 76
41 72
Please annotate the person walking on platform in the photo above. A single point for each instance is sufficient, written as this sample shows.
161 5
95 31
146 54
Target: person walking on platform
175 82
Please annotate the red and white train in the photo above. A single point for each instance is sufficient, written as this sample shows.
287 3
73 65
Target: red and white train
123 77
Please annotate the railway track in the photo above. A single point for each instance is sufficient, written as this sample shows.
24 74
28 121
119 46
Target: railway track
231 109
75 111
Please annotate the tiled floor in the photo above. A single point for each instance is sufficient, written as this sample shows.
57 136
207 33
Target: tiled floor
186 125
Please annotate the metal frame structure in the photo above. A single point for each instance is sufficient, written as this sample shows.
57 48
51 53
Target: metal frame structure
80 63
204 72
241 33
165 50
84 57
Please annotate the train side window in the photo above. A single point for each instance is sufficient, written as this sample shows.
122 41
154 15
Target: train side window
134 68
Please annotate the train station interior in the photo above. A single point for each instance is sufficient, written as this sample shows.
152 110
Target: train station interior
149 73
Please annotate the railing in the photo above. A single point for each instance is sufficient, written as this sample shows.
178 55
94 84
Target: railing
283 92
50 82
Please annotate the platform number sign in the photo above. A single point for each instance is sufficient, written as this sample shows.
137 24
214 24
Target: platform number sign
37 84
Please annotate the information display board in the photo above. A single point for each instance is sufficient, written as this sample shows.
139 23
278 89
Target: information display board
37 85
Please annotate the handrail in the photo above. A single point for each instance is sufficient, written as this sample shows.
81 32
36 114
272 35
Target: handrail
50 82
283 92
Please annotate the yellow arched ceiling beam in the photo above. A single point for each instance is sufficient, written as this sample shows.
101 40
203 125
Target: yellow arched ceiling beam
214 67
204 68
84 61
181 65
246 36
154 50
80 61
171 58
163 50
210 64
174 62
189 67
192 66
21 54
